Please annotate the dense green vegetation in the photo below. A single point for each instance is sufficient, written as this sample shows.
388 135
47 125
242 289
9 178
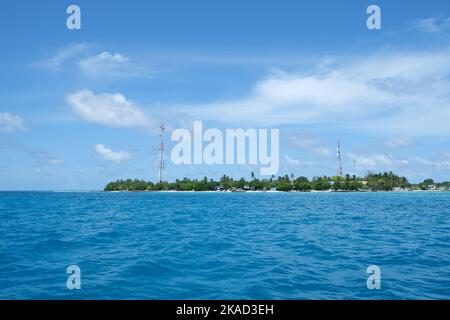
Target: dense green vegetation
386 181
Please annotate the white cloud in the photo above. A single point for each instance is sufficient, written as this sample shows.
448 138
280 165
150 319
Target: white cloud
395 92
322 151
433 24
290 160
108 154
55 162
445 165
446 154
297 162
377 161
107 64
398 142
64 56
302 140
82 58
108 57
110 109
11 123
309 143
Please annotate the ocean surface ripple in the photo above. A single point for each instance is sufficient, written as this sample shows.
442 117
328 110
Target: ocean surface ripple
224 245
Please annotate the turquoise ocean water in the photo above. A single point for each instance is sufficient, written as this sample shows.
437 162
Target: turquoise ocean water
224 245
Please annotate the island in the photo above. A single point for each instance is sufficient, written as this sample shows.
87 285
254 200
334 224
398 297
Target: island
387 181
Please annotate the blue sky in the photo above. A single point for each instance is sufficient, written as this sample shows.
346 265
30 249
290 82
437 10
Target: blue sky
79 108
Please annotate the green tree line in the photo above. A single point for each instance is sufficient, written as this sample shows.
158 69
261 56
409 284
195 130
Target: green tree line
386 181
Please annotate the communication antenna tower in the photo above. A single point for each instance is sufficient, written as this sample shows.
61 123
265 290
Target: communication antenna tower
339 158
162 148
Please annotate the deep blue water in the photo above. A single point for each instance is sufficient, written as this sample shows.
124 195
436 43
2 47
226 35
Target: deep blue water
224 246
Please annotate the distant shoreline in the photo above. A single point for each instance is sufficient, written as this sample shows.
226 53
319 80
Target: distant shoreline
372 182
174 191
291 191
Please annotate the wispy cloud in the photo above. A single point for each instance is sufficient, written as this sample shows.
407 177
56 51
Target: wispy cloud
10 123
110 109
89 62
108 64
308 143
65 55
55 162
110 155
433 24
377 161
297 162
388 91
398 142
42 157
322 151
440 165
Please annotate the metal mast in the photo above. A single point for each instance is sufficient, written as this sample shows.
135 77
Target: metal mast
162 148
339 158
